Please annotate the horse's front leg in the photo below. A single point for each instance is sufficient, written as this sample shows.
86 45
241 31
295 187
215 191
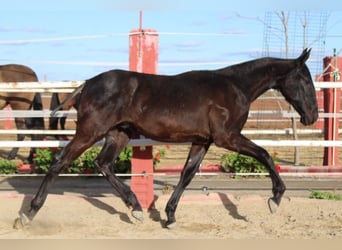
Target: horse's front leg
240 144
195 157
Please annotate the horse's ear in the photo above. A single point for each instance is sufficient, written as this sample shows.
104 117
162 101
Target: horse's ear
304 56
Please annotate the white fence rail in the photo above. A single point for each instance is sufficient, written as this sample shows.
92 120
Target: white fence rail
41 87
149 142
67 87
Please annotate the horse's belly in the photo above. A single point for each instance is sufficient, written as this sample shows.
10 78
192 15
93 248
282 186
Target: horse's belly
175 130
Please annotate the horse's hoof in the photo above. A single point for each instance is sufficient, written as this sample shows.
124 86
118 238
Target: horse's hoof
139 215
21 222
273 206
171 226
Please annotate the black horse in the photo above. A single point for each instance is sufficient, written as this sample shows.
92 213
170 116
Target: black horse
22 101
201 107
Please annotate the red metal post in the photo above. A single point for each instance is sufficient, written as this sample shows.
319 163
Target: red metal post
143 57
320 101
332 102
8 122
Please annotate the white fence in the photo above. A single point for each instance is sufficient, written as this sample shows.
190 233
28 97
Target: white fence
51 87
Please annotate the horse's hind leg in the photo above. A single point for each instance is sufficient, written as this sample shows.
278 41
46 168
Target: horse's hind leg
74 149
115 142
195 157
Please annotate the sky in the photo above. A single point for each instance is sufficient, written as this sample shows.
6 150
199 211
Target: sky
76 40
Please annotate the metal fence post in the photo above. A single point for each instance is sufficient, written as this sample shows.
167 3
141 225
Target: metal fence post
143 57
332 102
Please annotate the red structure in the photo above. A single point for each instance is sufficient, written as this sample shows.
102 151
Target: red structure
143 57
8 122
332 102
320 101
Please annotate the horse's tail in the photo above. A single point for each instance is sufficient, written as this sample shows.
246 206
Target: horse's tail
69 97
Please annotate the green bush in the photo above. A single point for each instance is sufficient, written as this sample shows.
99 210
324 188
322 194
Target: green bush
324 195
8 167
83 164
123 163
238 163
43 158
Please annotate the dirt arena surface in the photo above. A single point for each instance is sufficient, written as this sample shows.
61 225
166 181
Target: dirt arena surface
199 216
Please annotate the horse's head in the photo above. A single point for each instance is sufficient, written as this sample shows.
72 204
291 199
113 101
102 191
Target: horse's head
298 90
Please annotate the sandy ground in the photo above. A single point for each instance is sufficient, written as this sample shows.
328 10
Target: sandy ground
200 216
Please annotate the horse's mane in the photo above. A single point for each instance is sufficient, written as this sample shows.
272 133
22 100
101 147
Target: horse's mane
279 65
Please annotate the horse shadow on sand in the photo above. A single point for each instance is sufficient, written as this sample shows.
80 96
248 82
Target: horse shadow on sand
231 207
28 187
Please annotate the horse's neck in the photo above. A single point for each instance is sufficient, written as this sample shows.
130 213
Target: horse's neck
252 84
255 78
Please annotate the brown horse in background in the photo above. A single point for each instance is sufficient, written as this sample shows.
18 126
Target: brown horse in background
21 101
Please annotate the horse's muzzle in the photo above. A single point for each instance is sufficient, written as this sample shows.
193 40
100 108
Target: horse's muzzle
309 119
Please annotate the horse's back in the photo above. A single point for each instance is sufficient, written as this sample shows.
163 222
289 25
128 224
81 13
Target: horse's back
194 86
17 72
